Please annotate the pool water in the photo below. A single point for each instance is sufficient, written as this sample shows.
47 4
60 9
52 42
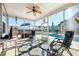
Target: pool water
58 36
76 39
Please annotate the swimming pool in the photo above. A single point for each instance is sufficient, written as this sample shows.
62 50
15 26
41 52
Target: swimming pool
58 36
76 39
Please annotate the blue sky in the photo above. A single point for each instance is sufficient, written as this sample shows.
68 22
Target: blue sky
56 18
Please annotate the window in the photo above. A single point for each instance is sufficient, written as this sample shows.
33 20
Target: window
71 12
71 15
56 19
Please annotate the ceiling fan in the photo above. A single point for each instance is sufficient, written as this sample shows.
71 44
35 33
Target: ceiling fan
34 8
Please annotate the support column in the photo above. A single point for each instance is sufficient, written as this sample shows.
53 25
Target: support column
34 25
16 30
7 19
24 29
64 25
47 18
45 29
0 19
16 21
47 25
7 24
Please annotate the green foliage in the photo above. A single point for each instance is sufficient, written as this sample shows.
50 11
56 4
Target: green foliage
77 20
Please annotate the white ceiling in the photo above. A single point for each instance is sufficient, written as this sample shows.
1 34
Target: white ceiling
19 10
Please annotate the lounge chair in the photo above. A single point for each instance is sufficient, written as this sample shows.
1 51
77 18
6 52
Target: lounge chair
59 47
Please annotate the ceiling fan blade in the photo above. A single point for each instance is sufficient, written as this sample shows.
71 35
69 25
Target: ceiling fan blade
38 11
37 7
34 13
29 8
29 11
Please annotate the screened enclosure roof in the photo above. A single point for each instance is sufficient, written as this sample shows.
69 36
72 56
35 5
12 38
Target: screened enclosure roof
20 10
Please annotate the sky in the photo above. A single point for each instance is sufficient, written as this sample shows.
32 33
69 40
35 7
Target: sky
56 18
